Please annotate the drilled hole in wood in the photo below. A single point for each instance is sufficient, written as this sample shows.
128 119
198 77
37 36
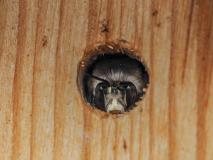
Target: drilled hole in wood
112 79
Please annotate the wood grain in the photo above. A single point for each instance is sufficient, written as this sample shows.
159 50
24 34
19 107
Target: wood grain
43 115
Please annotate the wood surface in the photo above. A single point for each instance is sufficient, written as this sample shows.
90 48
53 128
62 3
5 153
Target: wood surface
42 114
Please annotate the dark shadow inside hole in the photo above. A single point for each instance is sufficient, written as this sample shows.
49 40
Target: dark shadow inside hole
113 83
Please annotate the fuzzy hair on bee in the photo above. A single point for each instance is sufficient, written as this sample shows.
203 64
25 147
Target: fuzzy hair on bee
115 83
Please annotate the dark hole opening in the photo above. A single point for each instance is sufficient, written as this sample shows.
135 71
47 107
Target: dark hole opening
114 82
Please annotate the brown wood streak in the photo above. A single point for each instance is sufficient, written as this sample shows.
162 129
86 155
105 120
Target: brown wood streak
204 70
87 147
105 139
56 118
33 95
116 141
176 80
144 44
113 20
108 17
3 15
159 74
43 81
33 120
131 145
17 88
209 111
172 118
136 26
8 50
91 39
187 40
92 22
67 97
151 88
121 18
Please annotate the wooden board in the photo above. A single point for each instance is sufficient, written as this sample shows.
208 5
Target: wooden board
42 114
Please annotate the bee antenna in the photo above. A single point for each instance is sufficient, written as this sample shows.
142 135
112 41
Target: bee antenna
100 79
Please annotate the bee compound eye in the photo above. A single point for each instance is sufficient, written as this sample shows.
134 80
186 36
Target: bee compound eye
102 86
124 84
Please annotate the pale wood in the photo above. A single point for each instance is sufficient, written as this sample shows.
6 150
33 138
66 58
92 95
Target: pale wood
42 114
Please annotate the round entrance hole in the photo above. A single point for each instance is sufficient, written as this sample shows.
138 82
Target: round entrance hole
112 79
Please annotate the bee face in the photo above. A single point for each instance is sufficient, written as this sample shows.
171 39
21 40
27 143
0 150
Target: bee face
115 98
114 84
